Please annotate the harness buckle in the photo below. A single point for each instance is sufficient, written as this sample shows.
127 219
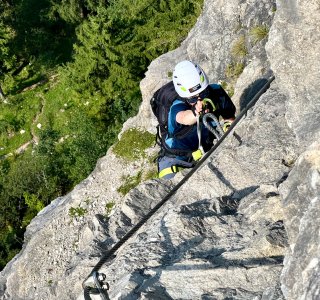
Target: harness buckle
197 154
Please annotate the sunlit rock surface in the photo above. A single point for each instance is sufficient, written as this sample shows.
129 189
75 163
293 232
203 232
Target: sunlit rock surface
245 225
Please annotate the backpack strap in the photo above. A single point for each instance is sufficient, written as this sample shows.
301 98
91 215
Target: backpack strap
166 151
169 170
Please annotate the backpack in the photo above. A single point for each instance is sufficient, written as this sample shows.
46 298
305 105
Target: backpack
161 102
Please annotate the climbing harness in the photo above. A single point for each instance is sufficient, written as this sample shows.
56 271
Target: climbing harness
110 254
169 170
178 165
197 154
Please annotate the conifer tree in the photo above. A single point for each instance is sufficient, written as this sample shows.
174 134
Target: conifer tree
116 40
7 58
75 11
116 44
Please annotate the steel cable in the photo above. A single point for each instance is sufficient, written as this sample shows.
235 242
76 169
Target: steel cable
110 253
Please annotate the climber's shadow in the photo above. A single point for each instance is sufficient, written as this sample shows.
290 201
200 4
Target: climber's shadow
212 259
174 255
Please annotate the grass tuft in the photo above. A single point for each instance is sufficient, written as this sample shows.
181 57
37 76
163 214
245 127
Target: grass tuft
258 33
228 87
239 48
77 212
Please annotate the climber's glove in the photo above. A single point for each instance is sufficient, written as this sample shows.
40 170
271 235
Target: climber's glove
226 125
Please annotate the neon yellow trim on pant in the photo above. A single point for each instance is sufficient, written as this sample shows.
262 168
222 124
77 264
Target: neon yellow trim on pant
170 170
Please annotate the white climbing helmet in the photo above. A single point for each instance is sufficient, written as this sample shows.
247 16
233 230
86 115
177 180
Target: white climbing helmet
189 79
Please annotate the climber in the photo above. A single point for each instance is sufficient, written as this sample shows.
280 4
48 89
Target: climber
192 85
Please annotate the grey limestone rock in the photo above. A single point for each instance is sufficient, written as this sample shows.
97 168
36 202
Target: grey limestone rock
209 241
301 193
221 235
293 49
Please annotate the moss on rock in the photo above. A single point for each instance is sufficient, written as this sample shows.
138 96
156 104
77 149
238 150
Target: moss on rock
133 144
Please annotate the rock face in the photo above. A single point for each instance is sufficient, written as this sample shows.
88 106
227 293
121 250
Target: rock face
210 241
293 49
245 225
301 193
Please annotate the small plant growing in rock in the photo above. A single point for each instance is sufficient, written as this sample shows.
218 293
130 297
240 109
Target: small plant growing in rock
109 207
87 201
77 212
234 70
151 174
258 33
129 183
239 48
133 144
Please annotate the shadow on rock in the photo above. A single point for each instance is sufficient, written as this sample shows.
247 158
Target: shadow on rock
251 91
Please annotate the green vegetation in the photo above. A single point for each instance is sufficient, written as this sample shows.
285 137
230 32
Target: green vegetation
133 144
239 48
151 173
109 207
239 51
228 88
234 70
69 78
258 33
34 205
77 212
129 182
